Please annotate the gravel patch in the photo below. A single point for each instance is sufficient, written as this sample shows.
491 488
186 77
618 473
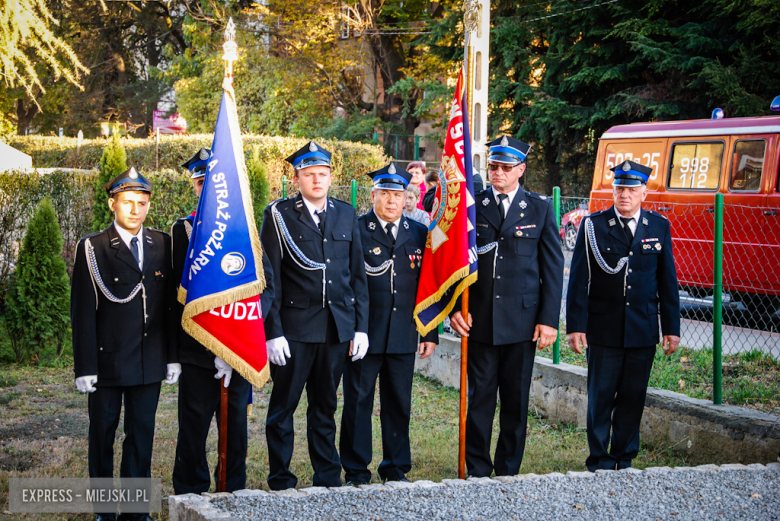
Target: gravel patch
733 492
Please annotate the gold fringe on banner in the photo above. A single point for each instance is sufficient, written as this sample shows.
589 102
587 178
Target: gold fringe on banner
465 279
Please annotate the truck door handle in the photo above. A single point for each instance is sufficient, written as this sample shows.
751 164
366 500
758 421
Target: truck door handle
770 212
664 208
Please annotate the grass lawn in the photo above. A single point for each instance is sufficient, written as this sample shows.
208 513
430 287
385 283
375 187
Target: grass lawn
43 433
750 379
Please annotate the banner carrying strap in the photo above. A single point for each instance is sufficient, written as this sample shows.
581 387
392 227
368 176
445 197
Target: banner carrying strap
97 281
590 240
286 242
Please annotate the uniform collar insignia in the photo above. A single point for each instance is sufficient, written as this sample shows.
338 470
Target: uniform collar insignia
406 225
148 239
644 221
523 204
330 203
372 225
485 201
612 222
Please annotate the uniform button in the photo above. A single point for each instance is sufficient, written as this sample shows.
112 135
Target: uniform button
330 282
393 309
629 287
498 277
628 303
144 334
498 296
394 256
630 270
631 254
116 279
142 277
501 239
329 302
101 348
395 291
324 240
327 260
502 258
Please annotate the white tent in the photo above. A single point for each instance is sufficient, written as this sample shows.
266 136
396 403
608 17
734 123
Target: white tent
12 159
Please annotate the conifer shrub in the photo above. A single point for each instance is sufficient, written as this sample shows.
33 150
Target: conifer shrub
112 163
38 301
258 184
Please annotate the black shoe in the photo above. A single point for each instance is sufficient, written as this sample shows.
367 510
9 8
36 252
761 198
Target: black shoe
355 483
105 517
404 480
135 517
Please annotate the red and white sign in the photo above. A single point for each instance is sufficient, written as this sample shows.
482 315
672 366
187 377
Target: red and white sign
171 125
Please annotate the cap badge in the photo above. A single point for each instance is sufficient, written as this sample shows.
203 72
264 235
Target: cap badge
391 170
504 142
133 174
203 155
626 167
312 147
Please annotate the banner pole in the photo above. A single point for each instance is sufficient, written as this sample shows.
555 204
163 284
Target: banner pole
222 444
464 358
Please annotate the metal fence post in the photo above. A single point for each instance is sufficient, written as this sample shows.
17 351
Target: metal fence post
353 193
557 206
441 328
416 148
284 187
375 136
396 147
717 300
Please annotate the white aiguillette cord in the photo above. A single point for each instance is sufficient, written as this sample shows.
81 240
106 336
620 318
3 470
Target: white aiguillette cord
590 239
97 281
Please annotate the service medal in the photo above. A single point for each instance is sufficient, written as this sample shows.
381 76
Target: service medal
377 251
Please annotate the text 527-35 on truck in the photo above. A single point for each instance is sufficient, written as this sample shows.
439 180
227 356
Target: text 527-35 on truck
691 162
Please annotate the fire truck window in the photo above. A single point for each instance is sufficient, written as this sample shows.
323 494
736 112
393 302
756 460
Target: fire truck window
696 166
748 163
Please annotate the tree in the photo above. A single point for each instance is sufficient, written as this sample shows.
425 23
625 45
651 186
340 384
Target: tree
38 304
24 31
561 75
112 163
258 184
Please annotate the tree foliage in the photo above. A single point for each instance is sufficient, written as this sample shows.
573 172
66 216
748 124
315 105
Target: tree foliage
112 163
37 306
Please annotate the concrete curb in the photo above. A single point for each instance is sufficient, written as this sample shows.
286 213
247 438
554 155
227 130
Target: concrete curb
704 431
192 507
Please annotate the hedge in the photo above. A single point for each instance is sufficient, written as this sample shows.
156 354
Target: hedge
350 160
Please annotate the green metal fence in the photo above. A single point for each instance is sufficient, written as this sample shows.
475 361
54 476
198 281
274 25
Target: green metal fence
729 293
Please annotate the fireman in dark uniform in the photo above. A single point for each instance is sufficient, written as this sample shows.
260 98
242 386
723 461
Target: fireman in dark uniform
199 390
392 248
313 244
514 308
124 329
622 280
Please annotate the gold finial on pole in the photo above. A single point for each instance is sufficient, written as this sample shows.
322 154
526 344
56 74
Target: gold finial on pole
230 47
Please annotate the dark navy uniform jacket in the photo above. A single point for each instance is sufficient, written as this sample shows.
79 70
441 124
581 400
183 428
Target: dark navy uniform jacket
607 316
528 282
299 294
111 340
190 350
391 326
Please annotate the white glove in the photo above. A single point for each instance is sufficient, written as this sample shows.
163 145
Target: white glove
86 384
359 346
223 369
172 374
278 349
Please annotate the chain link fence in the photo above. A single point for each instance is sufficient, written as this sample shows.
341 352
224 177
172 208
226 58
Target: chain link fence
750 315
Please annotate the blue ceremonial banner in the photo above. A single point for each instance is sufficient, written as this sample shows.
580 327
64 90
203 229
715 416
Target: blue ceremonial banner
223 271
450 260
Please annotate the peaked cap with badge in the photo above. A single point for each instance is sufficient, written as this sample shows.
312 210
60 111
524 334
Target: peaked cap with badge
629 173
507 150
390 178
310 154
128 181
197 164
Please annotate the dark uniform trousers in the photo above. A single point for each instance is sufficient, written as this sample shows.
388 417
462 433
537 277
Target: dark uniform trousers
128 354
318 332
519 286
620 315
199 394
393 342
